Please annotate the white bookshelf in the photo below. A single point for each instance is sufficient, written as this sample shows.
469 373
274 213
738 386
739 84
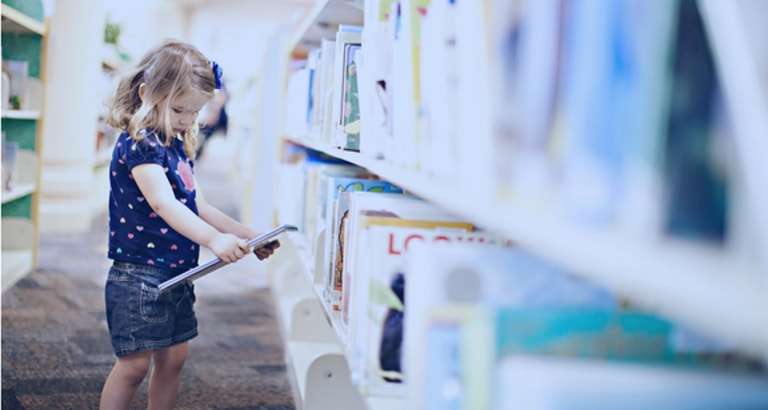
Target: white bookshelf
22 114
710 288
15 265
675 278
318 369
18 191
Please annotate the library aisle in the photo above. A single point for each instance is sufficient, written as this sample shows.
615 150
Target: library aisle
56 352
492 204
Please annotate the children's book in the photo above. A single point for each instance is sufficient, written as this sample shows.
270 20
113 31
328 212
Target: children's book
350 130
375 77
347 38
333 188
350 205
374 304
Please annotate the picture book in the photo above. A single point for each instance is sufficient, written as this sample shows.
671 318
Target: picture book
374 304
334 187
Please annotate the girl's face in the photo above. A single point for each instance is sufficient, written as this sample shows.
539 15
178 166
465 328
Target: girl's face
185 108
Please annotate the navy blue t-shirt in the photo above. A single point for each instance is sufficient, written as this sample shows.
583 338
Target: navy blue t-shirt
136 233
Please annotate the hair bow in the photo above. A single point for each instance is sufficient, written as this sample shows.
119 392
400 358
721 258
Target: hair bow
216 74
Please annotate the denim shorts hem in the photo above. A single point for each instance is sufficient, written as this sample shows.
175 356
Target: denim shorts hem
149 345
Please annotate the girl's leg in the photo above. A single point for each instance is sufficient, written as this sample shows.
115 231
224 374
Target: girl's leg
164 381
125 377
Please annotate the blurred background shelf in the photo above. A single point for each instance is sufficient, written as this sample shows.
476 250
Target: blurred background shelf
16 264
22 114
15 21
18 191
103 157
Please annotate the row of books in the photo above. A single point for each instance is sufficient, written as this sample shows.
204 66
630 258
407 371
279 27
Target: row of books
607 113
432 310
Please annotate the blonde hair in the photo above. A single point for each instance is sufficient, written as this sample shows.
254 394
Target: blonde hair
168 72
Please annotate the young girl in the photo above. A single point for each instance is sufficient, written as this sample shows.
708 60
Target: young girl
158 218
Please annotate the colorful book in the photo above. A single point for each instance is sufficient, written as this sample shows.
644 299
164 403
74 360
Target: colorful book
334 187
347 38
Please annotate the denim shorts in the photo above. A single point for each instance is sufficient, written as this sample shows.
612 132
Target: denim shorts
139 317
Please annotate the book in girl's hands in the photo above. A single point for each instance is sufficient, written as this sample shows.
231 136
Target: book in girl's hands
217 263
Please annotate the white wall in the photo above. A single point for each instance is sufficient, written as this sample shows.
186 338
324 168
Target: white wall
146 23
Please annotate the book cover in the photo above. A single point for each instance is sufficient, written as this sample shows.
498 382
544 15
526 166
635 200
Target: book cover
334 187
326 125
375 77
351 108
346 37
375 292
350 205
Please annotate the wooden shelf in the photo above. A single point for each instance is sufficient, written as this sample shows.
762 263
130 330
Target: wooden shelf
18 191
16 265
22 114
702 286
15 21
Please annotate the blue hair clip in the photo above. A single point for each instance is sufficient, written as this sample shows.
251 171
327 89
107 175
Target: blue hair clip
216 74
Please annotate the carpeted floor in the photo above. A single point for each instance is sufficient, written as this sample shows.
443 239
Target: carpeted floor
55 346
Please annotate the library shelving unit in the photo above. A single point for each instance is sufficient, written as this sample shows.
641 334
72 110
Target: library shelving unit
678 279
24 38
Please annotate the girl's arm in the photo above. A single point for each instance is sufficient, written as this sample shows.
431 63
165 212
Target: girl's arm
224 223
157 190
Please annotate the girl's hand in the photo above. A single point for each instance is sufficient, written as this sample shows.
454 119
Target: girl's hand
228 247
266 250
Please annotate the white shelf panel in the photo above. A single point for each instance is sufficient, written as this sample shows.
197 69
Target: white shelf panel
702 286
22 114
322 19
16 265
301 355
18 191
15 21
301 244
